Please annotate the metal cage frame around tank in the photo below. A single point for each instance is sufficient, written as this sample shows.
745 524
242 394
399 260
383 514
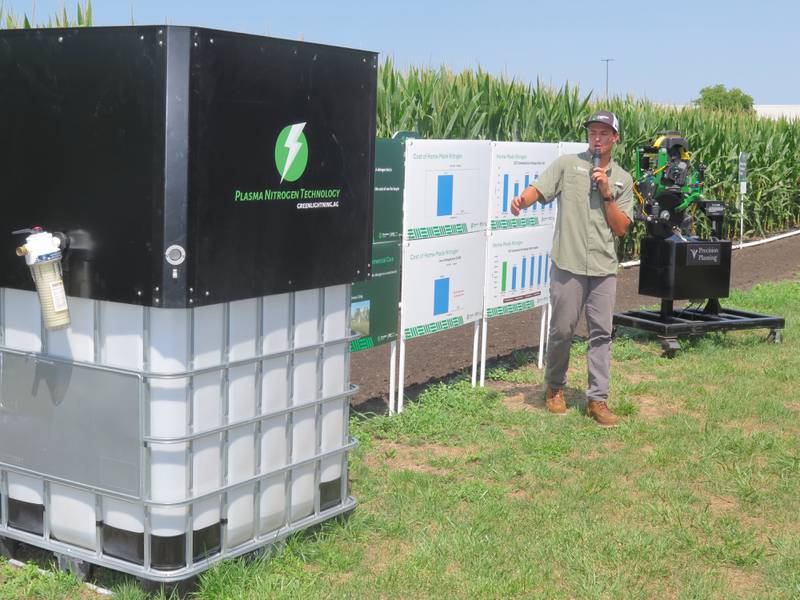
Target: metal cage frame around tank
258 540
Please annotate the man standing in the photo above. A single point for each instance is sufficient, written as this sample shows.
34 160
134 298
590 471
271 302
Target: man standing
595 206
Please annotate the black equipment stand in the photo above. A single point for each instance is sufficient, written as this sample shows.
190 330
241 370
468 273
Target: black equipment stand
669 324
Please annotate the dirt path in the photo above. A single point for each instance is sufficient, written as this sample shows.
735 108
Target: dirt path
436 356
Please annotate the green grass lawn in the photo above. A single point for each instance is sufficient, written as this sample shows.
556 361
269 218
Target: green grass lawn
483 494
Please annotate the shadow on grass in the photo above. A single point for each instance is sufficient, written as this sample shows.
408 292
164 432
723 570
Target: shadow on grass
379 405
532 396
744 338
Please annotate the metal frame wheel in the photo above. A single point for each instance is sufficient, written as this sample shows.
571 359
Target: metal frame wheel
77 567
670 347
182 588
775 336
8 547
151 587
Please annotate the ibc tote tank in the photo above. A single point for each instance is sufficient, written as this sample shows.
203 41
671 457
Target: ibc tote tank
215 192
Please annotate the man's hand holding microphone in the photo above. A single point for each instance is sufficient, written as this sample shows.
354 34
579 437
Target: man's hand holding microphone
599 177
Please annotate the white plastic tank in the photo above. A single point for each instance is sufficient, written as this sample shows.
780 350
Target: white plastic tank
254 374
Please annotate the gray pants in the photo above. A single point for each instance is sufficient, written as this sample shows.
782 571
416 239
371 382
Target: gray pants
569 295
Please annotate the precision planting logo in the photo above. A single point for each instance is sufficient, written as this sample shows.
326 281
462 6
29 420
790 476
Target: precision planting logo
703 255
291 152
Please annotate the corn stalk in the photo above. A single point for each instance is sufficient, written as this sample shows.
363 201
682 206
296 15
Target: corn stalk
83 18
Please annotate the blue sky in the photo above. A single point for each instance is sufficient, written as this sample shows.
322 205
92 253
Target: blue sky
665 51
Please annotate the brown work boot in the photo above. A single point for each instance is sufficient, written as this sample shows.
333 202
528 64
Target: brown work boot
599 411
554 400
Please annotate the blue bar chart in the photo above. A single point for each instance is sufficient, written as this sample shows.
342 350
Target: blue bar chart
453 194
444 196
512 186
515 166
526 272
518 269
441 296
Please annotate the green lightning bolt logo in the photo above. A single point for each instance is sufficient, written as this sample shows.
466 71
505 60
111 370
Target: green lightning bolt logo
291 152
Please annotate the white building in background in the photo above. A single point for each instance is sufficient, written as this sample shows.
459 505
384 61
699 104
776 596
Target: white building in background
791 112
775 111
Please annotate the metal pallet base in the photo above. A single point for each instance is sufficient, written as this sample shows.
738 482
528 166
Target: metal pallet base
670 324
79 561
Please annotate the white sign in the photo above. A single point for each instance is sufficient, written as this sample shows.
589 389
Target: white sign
518 270
515 166
572 148
446 187
442 283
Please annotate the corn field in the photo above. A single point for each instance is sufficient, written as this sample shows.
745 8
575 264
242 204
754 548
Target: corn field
437 103
476 105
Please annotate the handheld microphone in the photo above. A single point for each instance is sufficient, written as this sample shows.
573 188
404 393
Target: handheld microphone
595 164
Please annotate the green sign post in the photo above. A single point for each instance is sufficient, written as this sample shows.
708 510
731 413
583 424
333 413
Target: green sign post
742 193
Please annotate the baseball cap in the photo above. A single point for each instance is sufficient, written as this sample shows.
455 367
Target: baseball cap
605 117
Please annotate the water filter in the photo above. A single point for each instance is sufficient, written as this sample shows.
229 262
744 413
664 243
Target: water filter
42 252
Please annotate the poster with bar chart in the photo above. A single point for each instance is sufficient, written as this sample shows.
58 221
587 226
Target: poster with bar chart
446 187
515 165
518 270
442 283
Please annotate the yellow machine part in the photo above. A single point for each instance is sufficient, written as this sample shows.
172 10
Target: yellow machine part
685 155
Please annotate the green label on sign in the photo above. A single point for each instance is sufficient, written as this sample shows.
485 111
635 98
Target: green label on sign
514 223
510 309
364 343
436 327
422 233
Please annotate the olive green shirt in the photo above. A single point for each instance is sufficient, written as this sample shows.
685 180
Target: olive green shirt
583 242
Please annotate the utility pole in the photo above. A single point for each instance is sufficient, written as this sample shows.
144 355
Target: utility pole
606 60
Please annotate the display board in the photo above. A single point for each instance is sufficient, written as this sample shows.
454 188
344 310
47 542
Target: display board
515 165
446 184
518 270
442 283
374 302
